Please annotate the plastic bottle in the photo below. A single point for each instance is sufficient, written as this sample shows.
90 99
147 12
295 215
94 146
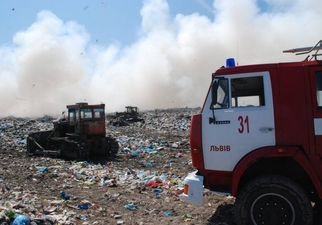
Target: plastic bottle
85 206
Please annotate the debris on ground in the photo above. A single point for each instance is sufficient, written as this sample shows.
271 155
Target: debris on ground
142 184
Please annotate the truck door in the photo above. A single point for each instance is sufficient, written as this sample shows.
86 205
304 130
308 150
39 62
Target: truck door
316 93
241 121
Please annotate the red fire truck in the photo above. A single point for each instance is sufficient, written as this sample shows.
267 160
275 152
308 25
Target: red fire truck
258 137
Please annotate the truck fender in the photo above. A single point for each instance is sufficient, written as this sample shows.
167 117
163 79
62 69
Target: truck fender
271 152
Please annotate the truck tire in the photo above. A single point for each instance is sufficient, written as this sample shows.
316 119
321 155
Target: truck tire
273 199
318 213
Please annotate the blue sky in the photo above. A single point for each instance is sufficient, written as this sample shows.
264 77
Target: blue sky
149 53
106 20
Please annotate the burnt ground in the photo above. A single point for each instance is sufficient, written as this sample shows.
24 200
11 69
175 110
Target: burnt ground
140 185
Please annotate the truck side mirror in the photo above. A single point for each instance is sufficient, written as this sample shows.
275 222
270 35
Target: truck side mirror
214 89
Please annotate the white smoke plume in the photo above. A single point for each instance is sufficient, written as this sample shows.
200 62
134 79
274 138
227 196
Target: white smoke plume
53 63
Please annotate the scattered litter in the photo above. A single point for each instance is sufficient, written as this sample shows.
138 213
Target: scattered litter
21 220
65 196
156 164
130 206
84 206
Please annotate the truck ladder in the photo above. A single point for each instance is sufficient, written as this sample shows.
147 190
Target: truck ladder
307 50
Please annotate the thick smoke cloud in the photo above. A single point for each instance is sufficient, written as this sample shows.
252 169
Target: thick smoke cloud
53 63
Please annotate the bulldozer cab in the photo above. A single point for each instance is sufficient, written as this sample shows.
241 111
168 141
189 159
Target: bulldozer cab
80 132
131 110
88 120
131 113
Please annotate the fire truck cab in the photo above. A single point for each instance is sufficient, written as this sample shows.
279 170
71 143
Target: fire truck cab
258 137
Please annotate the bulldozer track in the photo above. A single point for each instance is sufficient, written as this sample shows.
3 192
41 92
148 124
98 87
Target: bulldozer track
80 148
114 146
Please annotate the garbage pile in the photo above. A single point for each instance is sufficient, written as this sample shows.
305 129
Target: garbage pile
141 185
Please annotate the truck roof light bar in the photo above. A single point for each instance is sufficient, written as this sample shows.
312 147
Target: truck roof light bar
230 62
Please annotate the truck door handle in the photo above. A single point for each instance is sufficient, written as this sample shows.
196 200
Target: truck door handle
266 129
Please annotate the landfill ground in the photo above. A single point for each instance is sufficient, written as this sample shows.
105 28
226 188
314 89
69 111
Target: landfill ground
141 185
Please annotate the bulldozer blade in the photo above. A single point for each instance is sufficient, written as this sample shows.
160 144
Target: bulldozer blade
48 152
32 139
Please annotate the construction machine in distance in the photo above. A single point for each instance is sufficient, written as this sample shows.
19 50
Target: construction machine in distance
76 136
131 113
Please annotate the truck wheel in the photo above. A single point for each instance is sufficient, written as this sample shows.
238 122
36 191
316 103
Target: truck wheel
273 199
317 212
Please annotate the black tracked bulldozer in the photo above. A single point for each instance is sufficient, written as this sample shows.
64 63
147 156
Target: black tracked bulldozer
131 113
76 135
